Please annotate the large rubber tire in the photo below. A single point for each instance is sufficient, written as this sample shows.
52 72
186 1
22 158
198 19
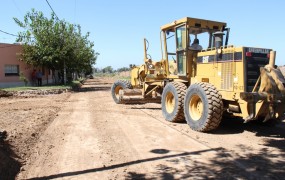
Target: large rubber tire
203 107
117 86
172 101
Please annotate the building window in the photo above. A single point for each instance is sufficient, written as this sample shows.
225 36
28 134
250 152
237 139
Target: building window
11 70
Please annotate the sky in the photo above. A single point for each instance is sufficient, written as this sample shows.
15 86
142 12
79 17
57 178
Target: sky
117 28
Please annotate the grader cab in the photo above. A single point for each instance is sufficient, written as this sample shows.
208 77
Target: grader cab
202 84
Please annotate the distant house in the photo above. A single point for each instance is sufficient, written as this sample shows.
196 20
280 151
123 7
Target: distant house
11 67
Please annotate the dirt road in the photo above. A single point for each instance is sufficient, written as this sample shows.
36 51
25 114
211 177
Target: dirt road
91 137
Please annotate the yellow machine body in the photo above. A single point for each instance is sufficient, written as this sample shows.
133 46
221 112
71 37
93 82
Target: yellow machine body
246 77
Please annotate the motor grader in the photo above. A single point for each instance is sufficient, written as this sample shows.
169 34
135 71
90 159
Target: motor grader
202 86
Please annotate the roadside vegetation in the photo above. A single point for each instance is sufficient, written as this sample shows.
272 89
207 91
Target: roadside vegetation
120 73
55 44
73 85
23 88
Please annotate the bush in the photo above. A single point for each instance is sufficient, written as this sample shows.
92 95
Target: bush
81 80
23 78
76 85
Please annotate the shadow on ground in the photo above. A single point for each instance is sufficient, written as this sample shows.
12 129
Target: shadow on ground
222 166
150 108
9 167
272 129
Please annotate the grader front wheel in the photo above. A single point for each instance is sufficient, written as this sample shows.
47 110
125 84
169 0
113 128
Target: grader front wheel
203 107
117 86
172 101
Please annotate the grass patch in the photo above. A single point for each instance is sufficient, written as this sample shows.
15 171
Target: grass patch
24 88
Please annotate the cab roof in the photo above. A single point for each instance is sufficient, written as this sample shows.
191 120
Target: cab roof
194 22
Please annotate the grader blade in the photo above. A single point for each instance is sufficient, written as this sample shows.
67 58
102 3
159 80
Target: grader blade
134 96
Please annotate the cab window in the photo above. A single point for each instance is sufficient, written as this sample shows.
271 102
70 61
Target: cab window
180 38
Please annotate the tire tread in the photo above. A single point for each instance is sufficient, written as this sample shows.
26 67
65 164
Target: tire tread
125 84
215 108
181 91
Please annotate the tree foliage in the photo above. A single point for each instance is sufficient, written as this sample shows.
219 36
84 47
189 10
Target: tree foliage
123 69
107 69
53 43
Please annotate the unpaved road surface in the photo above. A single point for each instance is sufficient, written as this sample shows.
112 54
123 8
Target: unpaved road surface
91 137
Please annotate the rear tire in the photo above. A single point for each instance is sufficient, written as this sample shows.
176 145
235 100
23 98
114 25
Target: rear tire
203 107
172 101
117 86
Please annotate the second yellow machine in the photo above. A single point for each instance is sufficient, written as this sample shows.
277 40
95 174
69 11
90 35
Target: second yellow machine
203 84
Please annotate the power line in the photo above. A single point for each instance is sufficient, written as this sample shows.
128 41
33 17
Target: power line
17 7
8 33
52 9
12 34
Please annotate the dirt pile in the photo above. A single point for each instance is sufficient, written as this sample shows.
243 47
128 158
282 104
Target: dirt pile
39 92
24 117
5 93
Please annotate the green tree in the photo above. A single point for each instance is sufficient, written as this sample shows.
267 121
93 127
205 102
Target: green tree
107 69
55 44
123 69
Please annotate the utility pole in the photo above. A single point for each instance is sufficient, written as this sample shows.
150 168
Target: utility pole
64 65
64 72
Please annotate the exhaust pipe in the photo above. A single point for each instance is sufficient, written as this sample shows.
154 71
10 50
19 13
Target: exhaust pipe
272 59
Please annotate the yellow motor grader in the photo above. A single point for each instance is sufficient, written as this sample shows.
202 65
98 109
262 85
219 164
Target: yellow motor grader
202 84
